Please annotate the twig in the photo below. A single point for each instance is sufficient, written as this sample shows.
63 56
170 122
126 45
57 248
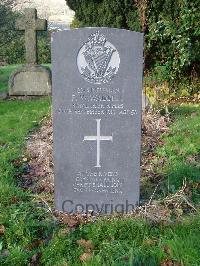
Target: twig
151 198
47 205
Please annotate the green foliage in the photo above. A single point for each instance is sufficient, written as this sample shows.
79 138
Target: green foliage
75 24
171 28
12 42
44 48
106 13
172 39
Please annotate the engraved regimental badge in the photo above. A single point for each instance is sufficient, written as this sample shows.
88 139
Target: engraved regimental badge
98 60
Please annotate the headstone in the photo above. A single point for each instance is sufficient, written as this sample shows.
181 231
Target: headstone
31 79
97 103
145 102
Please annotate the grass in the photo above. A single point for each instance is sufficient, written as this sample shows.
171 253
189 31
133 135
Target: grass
17 119
182 150
28 232
22 219
128 242
5 72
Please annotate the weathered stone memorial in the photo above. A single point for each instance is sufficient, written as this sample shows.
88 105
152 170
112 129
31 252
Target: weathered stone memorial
97 103
30 79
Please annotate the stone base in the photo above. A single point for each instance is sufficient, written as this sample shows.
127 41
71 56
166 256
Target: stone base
30 81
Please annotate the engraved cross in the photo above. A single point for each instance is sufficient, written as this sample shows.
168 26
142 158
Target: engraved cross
31 24
98 138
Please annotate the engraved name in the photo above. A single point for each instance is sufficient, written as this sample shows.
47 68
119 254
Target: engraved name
99 182
97 101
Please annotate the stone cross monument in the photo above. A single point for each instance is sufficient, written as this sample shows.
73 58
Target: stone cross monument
30 24
31 79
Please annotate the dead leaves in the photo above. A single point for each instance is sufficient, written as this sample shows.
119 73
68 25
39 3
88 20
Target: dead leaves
155 212
71 221
39 176
169 262
153 126
2 229
167 250
193 160
35 244
88 246
85 257
35 259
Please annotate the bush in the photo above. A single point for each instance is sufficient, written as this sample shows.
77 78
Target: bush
172 47
12 42
44 48
97 13
9 51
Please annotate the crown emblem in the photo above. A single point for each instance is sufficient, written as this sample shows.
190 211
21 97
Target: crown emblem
96 39
98 57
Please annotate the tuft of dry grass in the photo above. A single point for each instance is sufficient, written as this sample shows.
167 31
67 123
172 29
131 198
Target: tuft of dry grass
40 165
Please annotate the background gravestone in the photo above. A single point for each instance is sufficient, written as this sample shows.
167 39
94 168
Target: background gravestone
31 79
97 91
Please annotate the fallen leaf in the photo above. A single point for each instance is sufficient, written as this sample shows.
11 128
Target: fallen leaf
35 244
35 259
70 221
2 229
169 262
86 244
14 199
85 257
167 250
